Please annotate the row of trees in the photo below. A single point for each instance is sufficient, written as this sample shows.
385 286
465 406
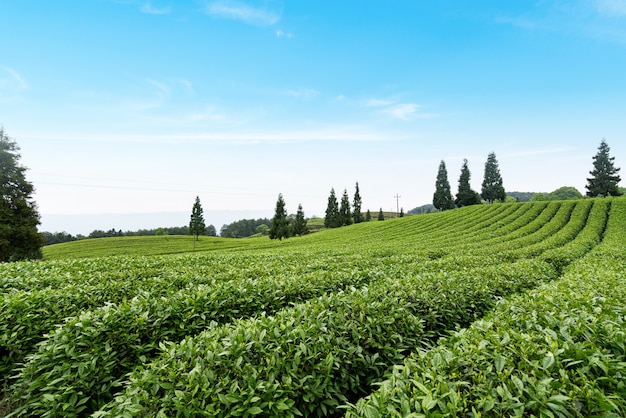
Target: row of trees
343 214
284 226
492 188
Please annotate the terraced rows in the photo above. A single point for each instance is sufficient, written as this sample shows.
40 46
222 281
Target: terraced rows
303 327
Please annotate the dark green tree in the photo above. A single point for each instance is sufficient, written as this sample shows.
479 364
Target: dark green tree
196 224
344 210
604 180
402 212
280 224
465 195
381 217
19 238
492 188
442 199
356 206
299 225
368 216
332 219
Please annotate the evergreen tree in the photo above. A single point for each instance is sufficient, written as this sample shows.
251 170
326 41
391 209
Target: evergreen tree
196 224
381 217
402 212
280 224
442 199
368 216
299 225
19 217
466 196
332 219
356 205
344 210
605 178
492 188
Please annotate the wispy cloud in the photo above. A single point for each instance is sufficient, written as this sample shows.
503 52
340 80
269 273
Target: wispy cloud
518 22
153 10
303 93
12 79
282 34
615 8
396 110
266 15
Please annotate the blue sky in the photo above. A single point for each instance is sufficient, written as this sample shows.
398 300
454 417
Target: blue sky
134 106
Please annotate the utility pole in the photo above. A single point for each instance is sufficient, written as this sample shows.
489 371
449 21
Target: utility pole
397 196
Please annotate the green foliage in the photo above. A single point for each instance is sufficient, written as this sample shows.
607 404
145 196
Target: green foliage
381 217
356 205
442 199
344 210
299 226
19 218
244 228
604 180
557 351
492 189
196 224
333 218
308 325
465 195
562 193
280 224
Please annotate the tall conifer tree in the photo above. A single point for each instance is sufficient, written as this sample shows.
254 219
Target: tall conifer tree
196 224
466 196
442 199
299 225
492 188
605 178
344 210
280 224
19 238
332 219
356 206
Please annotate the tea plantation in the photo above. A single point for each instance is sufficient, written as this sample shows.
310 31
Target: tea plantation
489 310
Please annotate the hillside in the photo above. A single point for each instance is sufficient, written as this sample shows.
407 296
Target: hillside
311 326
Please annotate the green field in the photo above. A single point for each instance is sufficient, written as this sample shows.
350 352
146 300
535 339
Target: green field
490 310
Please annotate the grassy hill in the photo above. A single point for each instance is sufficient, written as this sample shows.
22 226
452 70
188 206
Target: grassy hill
313 325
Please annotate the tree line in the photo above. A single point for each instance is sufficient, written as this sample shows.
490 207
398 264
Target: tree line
19 217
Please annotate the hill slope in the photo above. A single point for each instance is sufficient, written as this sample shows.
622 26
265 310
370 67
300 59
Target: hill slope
295 327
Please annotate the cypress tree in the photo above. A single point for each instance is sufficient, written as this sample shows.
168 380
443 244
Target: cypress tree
19 238
196 224
466 196
442 199
344 210
299 225
368 216
280 224
332 219
605 178
381 217
492 188
356 205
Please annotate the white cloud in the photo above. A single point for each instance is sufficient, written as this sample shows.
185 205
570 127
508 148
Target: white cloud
303 93
230 9
378 102
403 111
282 34
148 8
12 80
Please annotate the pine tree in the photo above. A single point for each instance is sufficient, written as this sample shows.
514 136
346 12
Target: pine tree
466 196
299 225
356 205
196 224
19 217
605 178
381 217
402 212
492 188
368 216
332 219
280 224
442 199
344 210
